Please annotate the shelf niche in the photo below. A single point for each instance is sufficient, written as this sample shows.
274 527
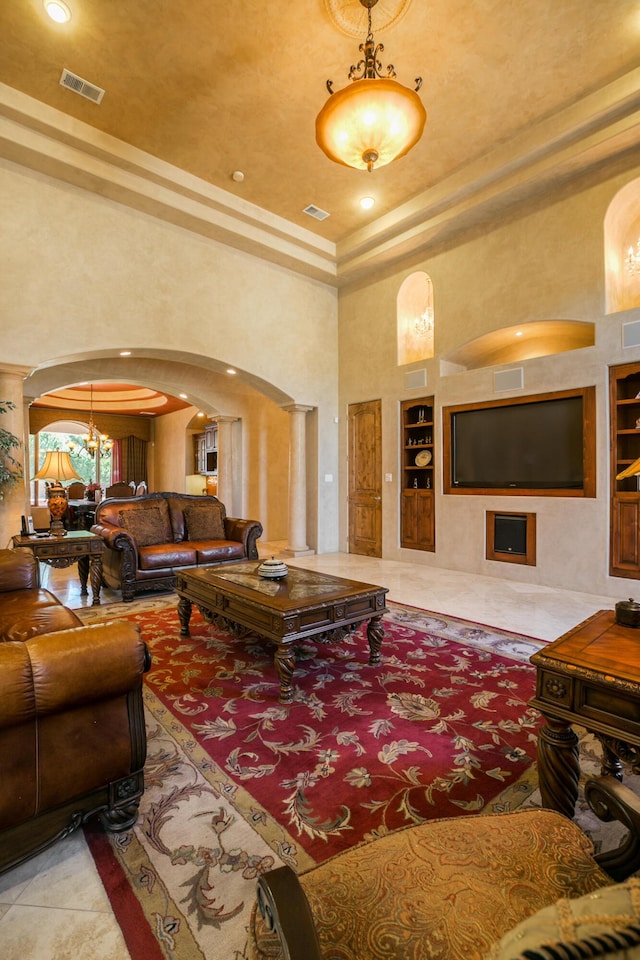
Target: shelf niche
624 406
417 515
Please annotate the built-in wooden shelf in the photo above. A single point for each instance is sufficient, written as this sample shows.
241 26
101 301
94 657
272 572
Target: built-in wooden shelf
417 513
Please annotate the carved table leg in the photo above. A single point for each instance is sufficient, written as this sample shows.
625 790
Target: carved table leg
184 615
611 763
95 575
558 766
83 573
375 633
284 661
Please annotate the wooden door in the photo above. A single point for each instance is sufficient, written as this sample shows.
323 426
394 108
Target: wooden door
625 536
365 478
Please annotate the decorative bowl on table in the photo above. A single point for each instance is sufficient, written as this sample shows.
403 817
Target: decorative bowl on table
628 613
273 569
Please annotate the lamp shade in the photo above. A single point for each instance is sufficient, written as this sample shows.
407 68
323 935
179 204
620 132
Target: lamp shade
57 466
370 118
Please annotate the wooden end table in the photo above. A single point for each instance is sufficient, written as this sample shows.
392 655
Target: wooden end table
78 546
303 605
590 676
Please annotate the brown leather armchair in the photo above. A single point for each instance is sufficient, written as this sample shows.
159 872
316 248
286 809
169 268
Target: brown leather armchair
72 735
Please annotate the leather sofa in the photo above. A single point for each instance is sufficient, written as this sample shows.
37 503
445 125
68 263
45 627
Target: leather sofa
148 538
72 734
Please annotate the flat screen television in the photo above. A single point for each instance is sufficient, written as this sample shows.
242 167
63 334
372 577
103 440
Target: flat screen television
543 444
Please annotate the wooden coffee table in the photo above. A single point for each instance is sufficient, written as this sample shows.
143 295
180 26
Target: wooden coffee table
304 604
590 676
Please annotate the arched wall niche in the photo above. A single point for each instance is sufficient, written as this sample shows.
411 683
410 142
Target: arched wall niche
415 318
524 341
622 231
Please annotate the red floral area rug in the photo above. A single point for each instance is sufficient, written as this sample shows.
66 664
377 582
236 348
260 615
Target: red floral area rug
439 728
237 783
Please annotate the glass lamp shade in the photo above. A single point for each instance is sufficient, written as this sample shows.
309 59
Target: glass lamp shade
368 117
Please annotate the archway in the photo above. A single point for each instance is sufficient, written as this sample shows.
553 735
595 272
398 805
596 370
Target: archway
257 424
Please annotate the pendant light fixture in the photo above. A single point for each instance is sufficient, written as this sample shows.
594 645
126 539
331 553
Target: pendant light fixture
93 441
374 120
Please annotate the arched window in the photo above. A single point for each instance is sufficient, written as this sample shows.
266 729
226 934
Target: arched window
415 318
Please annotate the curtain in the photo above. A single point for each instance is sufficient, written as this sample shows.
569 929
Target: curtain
116 462
134 460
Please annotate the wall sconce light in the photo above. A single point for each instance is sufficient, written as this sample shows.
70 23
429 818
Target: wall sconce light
632 259
424 323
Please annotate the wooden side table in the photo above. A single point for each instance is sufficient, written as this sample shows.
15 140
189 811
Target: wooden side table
78 546
590 676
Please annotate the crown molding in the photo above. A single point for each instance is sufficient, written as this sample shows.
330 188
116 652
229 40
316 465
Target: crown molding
585 138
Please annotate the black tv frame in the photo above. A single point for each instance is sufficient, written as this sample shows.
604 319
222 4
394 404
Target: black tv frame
588 487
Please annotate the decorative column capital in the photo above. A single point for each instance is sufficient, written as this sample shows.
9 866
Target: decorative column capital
297 408
15 370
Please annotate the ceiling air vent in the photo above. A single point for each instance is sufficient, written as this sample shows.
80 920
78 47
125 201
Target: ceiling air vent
83 87
316 212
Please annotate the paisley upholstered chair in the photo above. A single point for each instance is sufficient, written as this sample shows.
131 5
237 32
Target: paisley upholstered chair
466 888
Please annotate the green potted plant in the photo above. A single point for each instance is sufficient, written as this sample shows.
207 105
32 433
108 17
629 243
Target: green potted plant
10 468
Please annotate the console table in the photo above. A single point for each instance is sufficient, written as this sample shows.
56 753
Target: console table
590 676
78 546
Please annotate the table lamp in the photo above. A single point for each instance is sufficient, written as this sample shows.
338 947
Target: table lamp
57 466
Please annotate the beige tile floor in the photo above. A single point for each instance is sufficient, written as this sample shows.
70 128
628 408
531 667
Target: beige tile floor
54 907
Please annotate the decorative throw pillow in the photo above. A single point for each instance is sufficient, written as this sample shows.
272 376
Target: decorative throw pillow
147 525
204 521
605 923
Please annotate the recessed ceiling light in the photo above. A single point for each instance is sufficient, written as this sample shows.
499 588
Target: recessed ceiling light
182 396
125 353
367 202
518 333
230 370
200 413
58 10
237 176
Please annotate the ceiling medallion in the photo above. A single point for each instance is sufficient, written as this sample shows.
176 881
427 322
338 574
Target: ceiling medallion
350 18
375 119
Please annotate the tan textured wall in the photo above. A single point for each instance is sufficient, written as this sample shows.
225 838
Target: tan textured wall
84 277
108 276
546 265
170 451
260 441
